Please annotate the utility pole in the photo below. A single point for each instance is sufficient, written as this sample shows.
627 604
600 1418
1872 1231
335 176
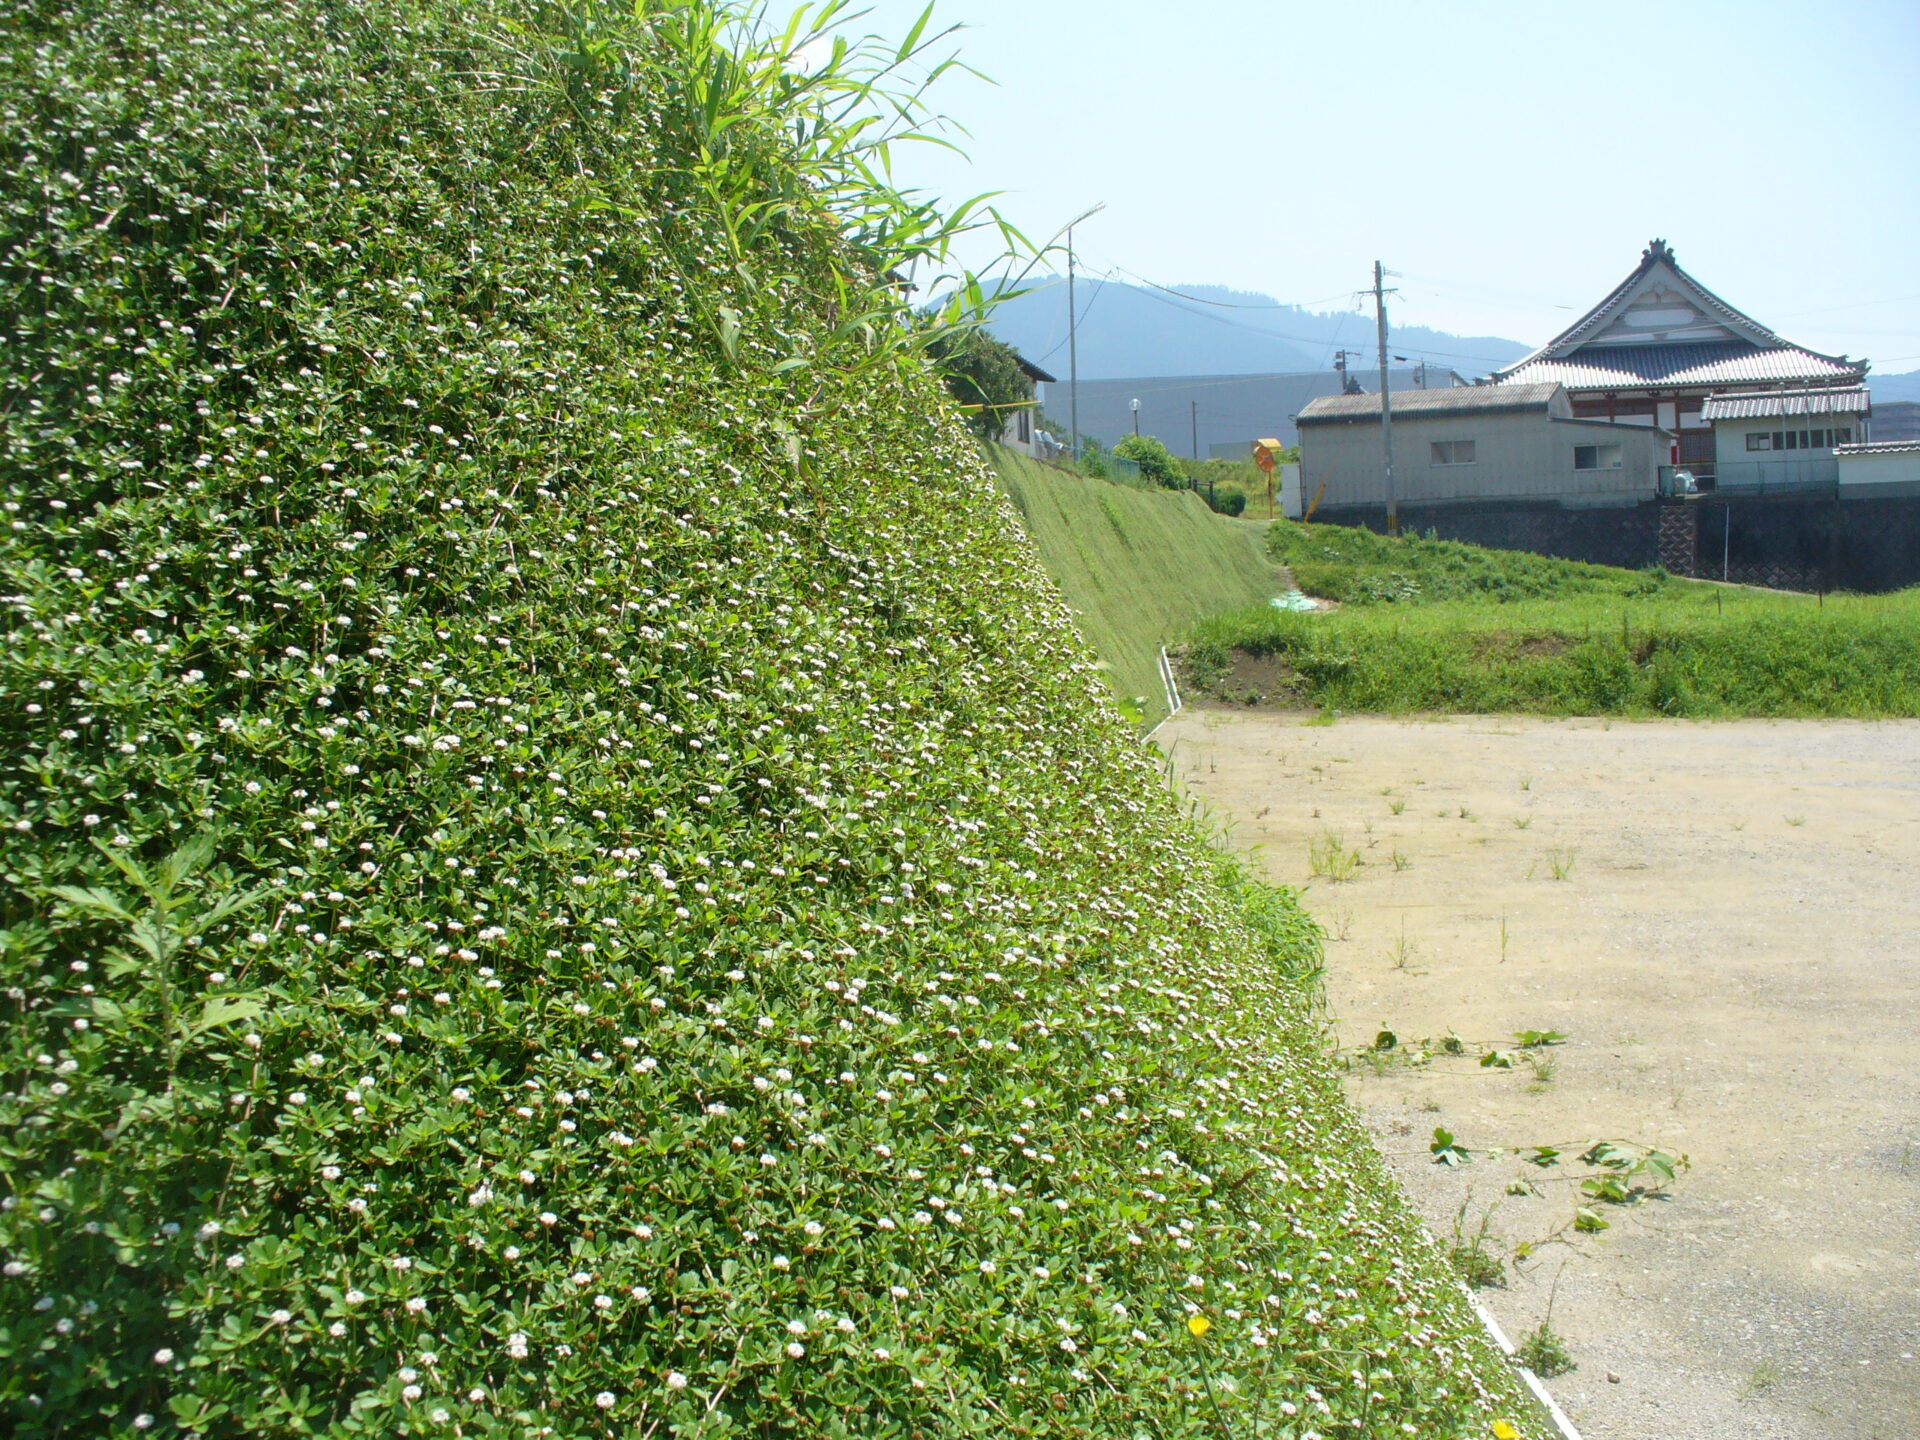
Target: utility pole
1194 408
1341 363
1073 354
1136 419
1386 399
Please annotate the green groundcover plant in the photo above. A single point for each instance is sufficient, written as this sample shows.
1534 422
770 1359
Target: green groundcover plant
565 871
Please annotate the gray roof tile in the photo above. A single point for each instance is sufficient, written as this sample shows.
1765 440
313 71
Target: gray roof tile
1641 367
1460 400
1786 402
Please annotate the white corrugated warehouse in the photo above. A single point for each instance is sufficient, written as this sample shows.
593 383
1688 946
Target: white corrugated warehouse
1475 443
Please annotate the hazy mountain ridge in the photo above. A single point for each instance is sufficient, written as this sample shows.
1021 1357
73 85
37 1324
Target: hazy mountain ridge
1133 330
1128 330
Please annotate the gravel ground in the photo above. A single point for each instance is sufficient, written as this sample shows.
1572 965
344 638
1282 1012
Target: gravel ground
1734 954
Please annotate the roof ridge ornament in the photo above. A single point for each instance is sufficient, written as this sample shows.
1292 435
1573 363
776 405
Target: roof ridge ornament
1657 250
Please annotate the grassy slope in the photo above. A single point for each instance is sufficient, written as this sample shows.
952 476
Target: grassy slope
1137 567
666 925
1441 626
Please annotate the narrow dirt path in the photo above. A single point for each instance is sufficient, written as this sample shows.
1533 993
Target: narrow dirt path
1734 955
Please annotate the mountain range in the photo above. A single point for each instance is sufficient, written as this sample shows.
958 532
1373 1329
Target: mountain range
1130 331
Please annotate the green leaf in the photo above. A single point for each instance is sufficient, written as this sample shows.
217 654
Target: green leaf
93 900
1497 1060
1589 1221
226 1010
1445 1152
729 328
1533 1039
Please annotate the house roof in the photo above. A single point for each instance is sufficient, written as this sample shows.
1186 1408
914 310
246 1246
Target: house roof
1660 327
1880 447
1032 371
1656 367
1770 403
1458 400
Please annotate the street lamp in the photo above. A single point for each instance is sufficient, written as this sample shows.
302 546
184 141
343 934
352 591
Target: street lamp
1136 419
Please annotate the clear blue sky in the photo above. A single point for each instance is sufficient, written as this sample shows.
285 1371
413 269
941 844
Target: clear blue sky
1510 159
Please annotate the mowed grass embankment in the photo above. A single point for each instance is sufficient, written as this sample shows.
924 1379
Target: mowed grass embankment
1432 625
1137 567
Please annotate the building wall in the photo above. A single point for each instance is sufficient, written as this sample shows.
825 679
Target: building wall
1524 456
1895 420
1881 472
1730 436
1233 410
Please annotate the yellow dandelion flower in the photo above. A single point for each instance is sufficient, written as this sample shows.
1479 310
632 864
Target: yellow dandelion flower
1198 1325
1503 1430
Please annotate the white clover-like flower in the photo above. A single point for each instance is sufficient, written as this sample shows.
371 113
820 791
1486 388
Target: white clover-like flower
676 1381
417 1306
411 1392
605 1400
796 1349
163 1356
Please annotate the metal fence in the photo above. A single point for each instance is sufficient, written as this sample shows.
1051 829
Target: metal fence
1813 477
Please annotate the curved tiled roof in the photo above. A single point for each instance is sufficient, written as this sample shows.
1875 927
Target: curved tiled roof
1786 402
1642 367
1756 356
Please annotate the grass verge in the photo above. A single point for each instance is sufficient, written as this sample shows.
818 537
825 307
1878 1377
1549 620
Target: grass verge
1137 567
1514 632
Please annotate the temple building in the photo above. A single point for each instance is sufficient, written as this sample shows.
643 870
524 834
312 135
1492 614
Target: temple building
1662 345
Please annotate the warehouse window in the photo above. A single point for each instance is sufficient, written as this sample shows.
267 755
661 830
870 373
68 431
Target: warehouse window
1596 457
1453 452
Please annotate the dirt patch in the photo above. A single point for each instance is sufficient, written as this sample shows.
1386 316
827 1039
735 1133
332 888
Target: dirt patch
1505 642
1246 681
1733 953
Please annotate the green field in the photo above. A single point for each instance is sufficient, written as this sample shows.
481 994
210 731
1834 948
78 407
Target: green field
1433 626
1137 566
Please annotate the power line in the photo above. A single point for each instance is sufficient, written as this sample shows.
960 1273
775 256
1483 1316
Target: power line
1316 341
1228 305
1851 305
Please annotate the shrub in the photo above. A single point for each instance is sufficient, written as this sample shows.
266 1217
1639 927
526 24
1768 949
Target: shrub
566 873
1228 502
1155 463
